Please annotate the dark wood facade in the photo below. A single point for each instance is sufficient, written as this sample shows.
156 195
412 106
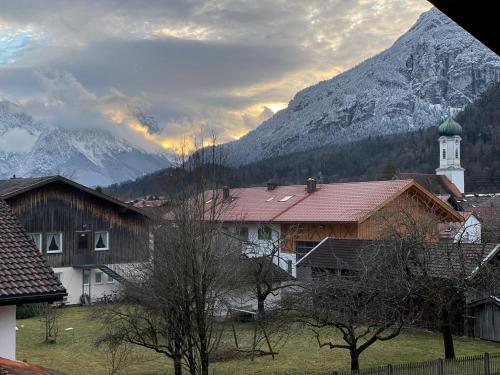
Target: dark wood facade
61 207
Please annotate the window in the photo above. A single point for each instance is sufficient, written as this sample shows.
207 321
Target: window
54 242
110 280
456 153
244 233
101 240
58 275
98 277
37 239
265 233
444 153
86 277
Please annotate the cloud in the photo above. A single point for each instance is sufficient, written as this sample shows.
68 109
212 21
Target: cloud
224 65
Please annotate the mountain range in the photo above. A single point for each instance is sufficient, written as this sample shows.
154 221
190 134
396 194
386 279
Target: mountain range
433 70
92 157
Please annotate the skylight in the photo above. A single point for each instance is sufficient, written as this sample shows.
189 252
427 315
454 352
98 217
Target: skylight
285 198
269 199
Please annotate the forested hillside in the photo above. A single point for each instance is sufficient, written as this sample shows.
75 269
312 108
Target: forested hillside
369 159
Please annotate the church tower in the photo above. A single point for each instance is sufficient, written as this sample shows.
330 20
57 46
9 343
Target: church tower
449 152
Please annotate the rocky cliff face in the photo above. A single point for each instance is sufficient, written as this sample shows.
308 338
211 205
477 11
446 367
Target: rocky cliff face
434 69
92 157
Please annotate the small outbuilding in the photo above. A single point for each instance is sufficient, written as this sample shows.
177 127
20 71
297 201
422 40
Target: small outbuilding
486 313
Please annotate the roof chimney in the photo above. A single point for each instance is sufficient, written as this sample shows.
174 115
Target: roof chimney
271 185
311 185
225 192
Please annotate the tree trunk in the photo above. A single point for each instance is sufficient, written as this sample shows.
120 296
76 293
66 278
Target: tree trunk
177 366
260 305
354 360
449 349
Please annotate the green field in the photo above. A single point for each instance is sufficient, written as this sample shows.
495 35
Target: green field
75 354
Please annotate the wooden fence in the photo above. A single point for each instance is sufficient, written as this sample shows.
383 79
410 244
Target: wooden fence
486 364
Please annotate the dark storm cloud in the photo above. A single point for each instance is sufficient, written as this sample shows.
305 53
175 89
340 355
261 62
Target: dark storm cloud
222 64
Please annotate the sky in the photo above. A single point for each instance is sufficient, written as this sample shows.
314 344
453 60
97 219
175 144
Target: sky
222 66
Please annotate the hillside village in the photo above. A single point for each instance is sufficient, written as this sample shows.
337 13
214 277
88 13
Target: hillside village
208 275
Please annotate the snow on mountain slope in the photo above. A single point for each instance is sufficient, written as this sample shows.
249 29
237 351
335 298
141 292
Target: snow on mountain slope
92 157
434 69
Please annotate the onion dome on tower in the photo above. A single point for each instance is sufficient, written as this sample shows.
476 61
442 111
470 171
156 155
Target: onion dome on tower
449 128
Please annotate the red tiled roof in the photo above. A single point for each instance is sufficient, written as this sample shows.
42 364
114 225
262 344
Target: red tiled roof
24 274
261 205
345 202
340 202
10 367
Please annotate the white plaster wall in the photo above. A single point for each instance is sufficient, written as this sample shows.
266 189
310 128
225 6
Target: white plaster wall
258 247
8 331
72 280
470 231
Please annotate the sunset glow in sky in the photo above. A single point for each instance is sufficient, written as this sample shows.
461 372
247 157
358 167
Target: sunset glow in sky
220 65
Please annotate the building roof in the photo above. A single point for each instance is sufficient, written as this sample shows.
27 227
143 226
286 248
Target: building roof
436 184
444 259
16 186
335 254
24 275
351 202
449 128
11 367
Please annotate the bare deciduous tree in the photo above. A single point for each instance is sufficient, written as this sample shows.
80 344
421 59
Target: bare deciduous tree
175 297
48 315
265 269
364 303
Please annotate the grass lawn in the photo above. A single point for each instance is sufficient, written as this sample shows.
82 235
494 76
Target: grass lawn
75 354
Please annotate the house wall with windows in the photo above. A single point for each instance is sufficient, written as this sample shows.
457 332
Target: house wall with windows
91 282
55 215
75 230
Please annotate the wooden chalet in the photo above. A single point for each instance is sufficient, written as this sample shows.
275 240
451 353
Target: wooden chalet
83 234
304 215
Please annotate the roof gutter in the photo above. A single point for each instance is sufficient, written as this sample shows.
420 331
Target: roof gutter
32 298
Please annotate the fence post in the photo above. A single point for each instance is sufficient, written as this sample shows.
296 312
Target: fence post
390 370
440 366
487 369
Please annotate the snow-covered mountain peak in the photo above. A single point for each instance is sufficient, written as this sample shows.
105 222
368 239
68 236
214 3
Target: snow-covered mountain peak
434 69
90 156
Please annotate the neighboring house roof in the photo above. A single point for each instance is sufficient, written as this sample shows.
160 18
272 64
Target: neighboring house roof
490 299
24 275
10 367
444 259
335 254
16 186
351 202
478 200
436 184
